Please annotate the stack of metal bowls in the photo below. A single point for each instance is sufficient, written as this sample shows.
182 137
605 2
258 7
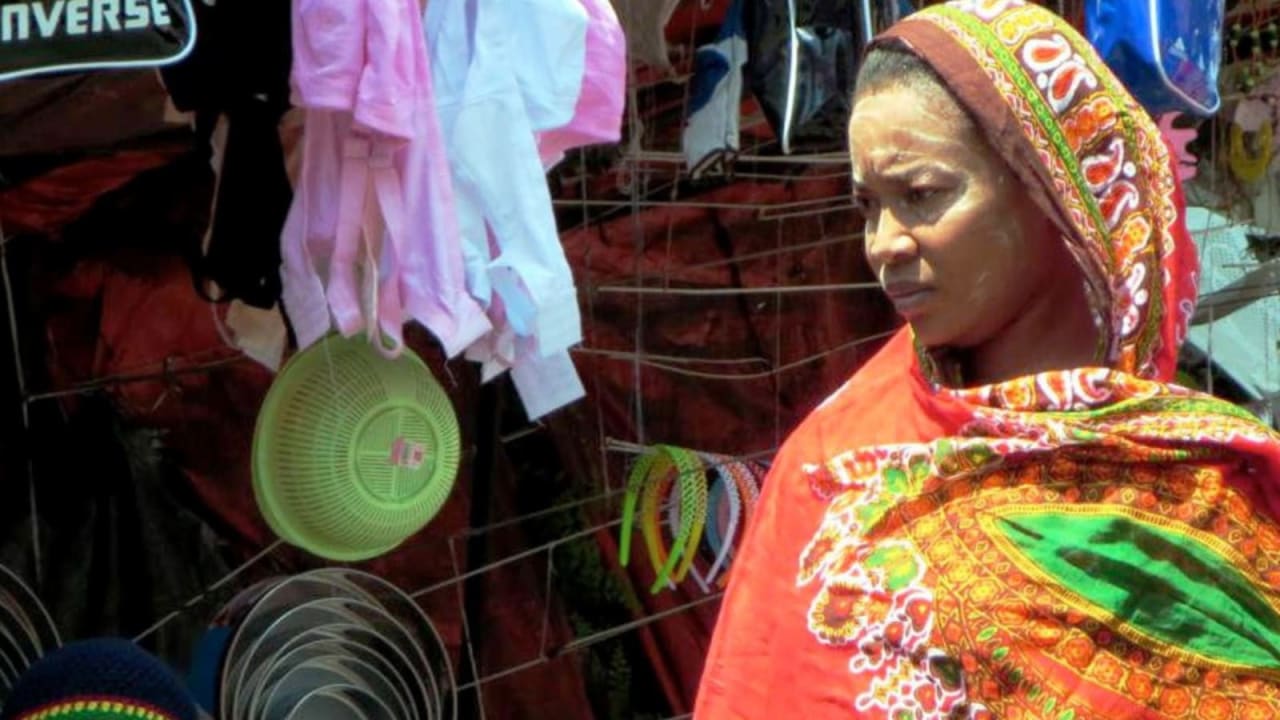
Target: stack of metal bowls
27 632
332 644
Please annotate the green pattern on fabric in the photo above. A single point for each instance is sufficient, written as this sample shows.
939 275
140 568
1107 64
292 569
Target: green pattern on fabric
1166 585
898 563
898 483
1048 120
870 514
1144 407
1200 406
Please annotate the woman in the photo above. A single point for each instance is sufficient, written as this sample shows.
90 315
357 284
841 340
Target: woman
1007 512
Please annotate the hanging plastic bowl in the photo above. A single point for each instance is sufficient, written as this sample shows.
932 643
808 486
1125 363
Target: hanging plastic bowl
353 453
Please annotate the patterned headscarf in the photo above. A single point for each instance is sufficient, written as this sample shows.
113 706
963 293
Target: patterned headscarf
1089 156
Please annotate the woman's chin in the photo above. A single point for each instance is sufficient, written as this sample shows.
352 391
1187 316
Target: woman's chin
929 334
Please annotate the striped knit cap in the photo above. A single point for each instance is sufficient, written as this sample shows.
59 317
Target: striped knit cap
101 679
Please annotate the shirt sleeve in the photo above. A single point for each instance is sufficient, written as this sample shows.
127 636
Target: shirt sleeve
550 39
328 53
393 71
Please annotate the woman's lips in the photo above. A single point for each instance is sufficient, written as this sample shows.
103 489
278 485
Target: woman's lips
908 298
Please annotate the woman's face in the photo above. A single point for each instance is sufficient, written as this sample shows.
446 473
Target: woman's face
955 241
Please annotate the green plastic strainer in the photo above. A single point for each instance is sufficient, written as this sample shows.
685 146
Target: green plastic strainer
353 452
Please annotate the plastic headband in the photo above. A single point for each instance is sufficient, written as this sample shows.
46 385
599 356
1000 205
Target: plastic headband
666 464
713 535
722 545
740 476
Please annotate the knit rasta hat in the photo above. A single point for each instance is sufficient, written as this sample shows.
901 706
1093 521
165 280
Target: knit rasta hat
101 679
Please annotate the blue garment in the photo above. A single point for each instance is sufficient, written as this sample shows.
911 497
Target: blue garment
715 99
206 665
1167 52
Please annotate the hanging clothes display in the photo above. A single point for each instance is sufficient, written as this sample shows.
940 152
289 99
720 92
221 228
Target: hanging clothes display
715 100
1167 53
645 22
236 82
548 383
515 69
363 238
405 209
597 117
254 326
484 103
803 59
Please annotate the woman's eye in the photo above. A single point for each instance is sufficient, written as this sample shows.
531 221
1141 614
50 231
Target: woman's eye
919 195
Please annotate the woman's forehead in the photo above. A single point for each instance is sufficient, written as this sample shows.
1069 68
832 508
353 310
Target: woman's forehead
892 129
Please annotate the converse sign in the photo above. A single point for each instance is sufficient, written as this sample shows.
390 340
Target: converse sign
43 36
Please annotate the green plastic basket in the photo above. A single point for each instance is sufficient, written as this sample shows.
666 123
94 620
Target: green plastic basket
352 452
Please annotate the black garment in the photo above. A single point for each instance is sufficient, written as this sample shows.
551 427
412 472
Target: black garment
122 542
240 69
808 109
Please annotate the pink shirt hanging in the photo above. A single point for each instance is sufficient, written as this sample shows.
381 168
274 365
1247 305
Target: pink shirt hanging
597 117
373 209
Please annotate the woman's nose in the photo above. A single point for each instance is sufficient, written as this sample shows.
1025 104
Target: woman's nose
888 242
